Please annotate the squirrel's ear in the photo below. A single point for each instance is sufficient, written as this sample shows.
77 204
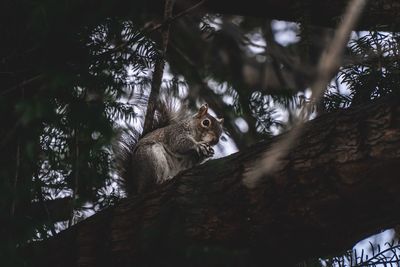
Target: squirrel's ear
220 120
202 111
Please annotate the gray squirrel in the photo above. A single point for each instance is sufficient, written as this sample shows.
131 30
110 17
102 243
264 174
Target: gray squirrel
175 143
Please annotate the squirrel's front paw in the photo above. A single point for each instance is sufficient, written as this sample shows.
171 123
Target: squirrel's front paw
205 150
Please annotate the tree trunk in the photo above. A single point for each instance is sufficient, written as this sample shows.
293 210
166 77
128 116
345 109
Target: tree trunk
338 185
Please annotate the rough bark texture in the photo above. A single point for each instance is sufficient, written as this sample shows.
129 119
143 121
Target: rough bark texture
338 185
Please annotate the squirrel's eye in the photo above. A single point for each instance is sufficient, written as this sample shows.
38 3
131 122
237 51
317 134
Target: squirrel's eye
206 122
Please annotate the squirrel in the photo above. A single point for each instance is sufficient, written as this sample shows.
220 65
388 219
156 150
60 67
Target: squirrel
174 144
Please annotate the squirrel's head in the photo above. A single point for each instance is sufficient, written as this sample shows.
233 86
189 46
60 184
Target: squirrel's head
209 128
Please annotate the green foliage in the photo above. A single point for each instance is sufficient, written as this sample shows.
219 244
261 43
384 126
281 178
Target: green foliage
374 73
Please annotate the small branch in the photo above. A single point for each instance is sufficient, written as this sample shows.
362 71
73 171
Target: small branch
331 59
16 177
76 179
21 85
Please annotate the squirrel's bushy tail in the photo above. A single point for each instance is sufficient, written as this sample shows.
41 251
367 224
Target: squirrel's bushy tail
123 147
167 112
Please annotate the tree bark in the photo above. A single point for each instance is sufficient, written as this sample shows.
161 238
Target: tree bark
338 185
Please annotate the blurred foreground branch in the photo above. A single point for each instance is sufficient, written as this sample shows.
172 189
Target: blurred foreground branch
328 65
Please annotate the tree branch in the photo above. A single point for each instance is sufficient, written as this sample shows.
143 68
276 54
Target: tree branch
158 70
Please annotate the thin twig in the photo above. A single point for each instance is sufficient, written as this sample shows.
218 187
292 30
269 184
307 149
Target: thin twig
16 177
328 65
21 85
76 178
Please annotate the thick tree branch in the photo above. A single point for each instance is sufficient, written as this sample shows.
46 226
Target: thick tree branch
338 185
